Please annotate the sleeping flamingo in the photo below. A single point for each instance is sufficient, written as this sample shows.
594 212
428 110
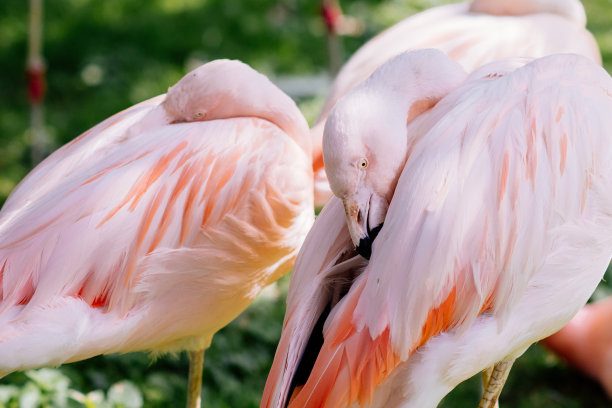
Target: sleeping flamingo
157 227
490 198
470 33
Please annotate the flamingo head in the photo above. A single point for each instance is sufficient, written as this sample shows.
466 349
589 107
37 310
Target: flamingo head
365 141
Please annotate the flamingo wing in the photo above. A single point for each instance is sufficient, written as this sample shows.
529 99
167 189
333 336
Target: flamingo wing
326 247
71 156
504 160
502 168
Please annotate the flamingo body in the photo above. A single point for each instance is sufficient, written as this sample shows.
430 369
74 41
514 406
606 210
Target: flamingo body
158 226
495 236
470 33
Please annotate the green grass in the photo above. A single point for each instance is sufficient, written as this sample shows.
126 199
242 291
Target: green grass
103 56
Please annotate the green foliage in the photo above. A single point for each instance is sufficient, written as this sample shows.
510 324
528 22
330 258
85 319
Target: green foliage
48 387
538 379
103 56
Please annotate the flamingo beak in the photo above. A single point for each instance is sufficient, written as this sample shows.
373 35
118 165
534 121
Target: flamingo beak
365 214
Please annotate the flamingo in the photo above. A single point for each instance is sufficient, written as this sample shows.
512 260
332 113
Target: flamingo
470 33
158 226
586 342
488 196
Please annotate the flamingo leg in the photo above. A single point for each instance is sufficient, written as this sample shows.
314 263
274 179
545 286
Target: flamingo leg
493 379
486 377
194 385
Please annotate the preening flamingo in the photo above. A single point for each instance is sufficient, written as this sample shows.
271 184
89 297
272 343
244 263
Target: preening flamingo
492 197
157 227
470 33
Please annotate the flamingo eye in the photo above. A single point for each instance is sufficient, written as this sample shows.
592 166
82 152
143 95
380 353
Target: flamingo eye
362 163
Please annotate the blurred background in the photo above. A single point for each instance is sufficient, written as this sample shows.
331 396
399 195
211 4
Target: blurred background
103 56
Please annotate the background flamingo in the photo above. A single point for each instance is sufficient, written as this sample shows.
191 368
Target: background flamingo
586 342
157 227
472 34
496 234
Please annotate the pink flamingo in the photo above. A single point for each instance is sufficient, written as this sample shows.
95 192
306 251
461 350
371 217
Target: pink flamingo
470 33
494 190
158 226
586 342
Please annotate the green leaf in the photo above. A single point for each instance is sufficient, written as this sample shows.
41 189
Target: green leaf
8 393
31 396
125 394
48 379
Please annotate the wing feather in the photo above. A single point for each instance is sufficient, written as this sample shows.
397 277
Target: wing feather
92 265
87 235
308 296
471 213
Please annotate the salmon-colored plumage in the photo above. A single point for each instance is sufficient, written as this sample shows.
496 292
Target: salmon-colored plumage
483 250
158 226
350 364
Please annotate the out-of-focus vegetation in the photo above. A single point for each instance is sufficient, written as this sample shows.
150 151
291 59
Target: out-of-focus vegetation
103 56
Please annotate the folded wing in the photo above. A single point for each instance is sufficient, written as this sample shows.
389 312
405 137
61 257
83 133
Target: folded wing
500 167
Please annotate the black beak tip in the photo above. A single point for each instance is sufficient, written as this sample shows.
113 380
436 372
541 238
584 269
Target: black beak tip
365 247
365 244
